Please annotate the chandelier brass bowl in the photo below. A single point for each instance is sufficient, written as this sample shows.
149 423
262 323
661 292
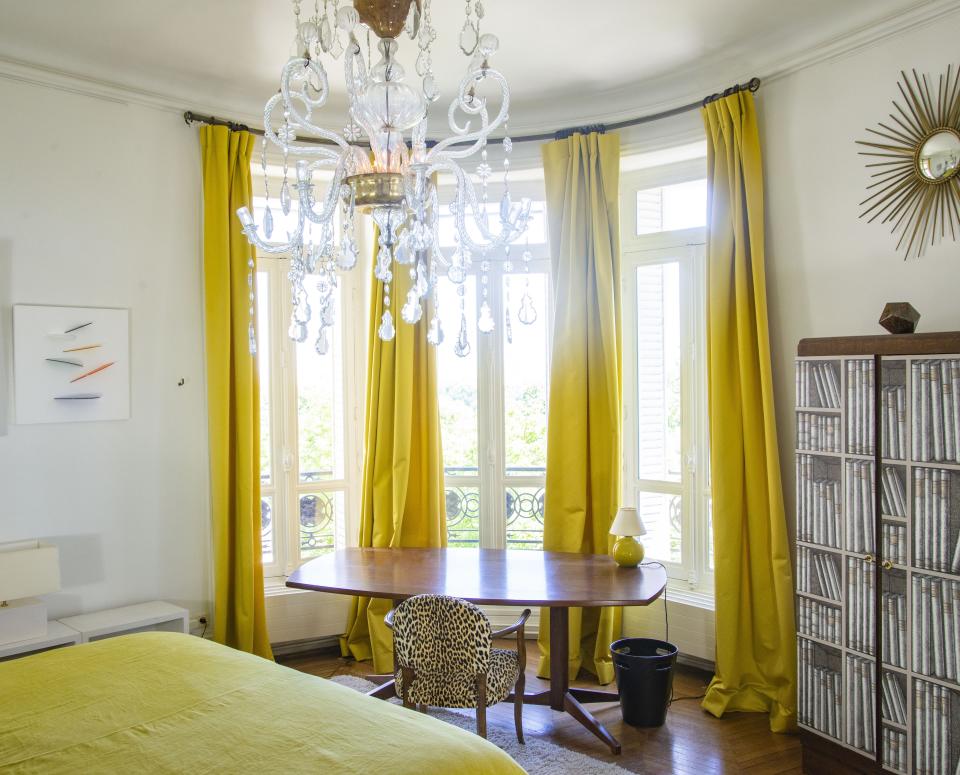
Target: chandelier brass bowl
385 17
376 189
916 186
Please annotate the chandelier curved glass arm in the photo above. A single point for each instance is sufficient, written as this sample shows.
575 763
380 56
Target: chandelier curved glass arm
513 217
467 101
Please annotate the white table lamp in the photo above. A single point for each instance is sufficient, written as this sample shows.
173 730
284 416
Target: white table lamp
27 569
628 551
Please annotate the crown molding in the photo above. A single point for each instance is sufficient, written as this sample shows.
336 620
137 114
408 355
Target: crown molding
927 12
33 74
592 110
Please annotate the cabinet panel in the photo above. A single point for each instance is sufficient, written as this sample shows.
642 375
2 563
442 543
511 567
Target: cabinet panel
878 504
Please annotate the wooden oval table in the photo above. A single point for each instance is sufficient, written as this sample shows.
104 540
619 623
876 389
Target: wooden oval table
554 580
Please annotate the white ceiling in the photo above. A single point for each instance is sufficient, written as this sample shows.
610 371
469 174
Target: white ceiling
567 62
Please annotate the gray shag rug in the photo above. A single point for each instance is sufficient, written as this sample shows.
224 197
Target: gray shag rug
537 757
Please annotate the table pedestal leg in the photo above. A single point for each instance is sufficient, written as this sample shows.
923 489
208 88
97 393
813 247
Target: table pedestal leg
559 656
562 697
385 691
585 717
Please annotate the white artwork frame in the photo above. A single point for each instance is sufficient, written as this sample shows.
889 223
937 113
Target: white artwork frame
70 364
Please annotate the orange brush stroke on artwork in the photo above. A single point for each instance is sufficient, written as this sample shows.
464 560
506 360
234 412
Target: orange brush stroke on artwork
93 371
85 347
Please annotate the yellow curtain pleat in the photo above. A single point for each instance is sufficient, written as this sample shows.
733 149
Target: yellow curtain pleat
233 395
582 178
756 637
403 503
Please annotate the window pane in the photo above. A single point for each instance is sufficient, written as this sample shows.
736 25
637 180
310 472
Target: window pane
263 362
525 374
658 371
463 516
524 517
661 517
667 208
320 397
319 515
457 382
266 528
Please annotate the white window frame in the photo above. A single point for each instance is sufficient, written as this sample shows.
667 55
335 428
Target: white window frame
285 488
688 246
492 479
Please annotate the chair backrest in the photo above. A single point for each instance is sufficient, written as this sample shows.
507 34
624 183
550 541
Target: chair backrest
434 634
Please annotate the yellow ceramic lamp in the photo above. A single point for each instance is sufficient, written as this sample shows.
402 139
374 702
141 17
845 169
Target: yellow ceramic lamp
628 551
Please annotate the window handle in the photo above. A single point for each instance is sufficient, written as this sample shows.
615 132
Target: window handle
287 461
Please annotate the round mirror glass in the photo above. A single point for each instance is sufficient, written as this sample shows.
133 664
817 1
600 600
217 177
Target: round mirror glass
940 155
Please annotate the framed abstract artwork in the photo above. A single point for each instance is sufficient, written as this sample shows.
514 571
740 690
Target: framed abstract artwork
70 364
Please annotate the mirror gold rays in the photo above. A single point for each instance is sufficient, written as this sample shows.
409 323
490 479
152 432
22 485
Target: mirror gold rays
915 158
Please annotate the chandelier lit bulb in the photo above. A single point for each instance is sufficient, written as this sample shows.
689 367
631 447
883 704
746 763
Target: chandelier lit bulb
395 179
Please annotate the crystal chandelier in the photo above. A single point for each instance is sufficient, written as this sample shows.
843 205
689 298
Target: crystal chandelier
395 178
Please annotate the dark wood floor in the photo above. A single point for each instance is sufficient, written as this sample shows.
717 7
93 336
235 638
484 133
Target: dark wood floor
692 742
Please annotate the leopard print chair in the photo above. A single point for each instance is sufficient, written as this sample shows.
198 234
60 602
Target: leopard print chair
443 658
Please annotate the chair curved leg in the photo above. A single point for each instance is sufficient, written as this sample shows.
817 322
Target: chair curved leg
482 705
408 677
518 705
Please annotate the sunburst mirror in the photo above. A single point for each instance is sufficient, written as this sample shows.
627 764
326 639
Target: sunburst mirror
915 183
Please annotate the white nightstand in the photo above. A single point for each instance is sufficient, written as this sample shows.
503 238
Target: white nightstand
58 635
143 617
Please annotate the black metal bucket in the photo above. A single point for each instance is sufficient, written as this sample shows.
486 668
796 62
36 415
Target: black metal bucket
644 668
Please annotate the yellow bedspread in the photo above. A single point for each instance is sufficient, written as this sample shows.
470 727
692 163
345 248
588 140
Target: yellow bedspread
162 702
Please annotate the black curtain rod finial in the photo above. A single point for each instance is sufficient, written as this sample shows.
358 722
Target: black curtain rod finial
189 117
751 86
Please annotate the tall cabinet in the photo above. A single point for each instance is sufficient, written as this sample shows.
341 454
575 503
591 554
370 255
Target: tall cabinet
878 553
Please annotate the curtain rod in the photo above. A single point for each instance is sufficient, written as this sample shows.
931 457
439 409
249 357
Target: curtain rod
752 85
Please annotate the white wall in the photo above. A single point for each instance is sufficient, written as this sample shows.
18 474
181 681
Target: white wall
100 206
830 273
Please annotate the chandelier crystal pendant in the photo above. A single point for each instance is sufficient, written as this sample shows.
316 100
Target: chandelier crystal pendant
395 179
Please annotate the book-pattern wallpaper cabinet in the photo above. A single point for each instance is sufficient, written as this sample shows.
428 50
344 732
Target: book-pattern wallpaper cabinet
878 553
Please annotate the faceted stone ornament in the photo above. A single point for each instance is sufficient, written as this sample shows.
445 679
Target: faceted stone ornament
435 332
485 324
386 331
468 38
528 313
322 345
899 317
298 332
268 223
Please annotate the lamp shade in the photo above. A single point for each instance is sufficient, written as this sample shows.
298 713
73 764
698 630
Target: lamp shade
28 569
627 523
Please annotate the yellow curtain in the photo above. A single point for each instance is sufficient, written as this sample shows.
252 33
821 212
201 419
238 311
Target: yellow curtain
755 659
582 176
233 394
403 501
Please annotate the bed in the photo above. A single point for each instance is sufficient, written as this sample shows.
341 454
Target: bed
167 702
